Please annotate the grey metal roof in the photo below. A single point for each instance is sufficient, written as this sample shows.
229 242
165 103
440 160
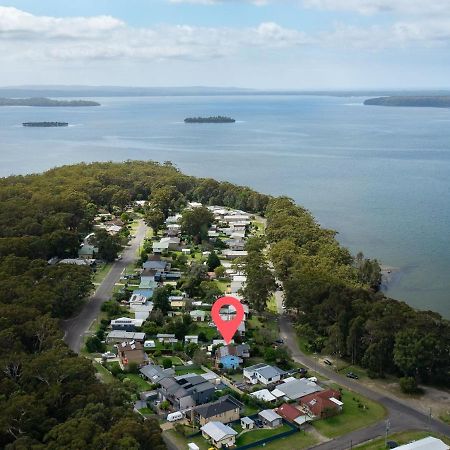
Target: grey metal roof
269 414
298 388
156 373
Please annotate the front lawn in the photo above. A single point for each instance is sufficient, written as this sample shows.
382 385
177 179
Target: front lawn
401 438
358 412
146 411
297 441
261 433
182 442
101 273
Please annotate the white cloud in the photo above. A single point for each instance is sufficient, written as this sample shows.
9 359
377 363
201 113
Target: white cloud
403 7
105 37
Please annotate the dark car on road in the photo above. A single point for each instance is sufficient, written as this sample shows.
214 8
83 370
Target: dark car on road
352 375
279 341
327 362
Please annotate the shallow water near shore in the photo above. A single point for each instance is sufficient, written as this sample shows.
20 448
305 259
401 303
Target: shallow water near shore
380 176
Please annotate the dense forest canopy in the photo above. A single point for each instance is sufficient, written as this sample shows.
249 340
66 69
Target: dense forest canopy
51 398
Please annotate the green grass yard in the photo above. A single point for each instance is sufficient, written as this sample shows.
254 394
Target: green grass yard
176 361
101 273
183 370
261 433
272 305
352 417
297 441
105 374
182 442
140 382
401 438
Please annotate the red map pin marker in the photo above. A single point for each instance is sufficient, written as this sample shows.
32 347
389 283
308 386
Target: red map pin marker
227 328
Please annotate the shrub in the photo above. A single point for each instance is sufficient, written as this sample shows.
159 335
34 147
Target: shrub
408 385
166 362
94 345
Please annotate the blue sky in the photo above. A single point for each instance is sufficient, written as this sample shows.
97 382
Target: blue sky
295 44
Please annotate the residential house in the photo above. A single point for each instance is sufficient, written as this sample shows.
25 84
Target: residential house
166 338
322 404
198 315
270 418
297 388
79 262
173 219
233 254
156 373
137 299
292 414
148 279
264 395
218 434
262 373
231 356
226 409
427 443
142 312
155 263
247 423
117 336
125 324
131 352
191 339
186 391
87 251
177 302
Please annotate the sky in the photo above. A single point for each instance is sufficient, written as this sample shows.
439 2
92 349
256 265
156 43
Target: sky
264 44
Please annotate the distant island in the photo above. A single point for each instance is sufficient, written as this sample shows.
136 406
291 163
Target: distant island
45 124
43 101
428 101
215 119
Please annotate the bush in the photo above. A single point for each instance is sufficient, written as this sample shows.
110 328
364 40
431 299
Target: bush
157 353
166 362
133 368
94 345
164 405
408 385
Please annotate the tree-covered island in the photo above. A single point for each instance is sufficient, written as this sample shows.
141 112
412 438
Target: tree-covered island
212 119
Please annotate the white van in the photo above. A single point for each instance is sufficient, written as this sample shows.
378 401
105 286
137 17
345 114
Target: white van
172 417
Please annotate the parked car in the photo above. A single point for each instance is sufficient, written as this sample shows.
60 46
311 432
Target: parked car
109 355
352 375
279 341
327 362
302 371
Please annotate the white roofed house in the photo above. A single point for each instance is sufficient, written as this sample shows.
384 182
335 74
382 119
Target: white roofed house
262 373
219 434
198 315
233 254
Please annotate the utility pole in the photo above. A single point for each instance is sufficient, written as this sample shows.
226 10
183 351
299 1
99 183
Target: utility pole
388 425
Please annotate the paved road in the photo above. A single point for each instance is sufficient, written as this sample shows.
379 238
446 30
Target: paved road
75 328
401 415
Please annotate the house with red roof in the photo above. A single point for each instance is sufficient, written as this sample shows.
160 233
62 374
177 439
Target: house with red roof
292 414
322 404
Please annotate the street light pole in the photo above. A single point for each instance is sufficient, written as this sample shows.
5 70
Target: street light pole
387 431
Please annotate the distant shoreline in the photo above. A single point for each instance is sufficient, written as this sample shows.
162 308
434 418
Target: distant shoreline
45 102
417 101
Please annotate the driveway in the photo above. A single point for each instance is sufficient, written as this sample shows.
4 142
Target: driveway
76 327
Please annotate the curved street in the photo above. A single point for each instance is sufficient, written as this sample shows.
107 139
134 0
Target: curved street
401 416
76 327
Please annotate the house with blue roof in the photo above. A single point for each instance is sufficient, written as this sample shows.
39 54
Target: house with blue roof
230 361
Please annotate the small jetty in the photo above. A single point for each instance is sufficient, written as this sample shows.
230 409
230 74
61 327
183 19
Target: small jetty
45 124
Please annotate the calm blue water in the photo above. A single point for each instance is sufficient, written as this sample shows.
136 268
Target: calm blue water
380 176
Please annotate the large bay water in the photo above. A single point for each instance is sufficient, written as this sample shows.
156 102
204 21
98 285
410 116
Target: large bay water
379 176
